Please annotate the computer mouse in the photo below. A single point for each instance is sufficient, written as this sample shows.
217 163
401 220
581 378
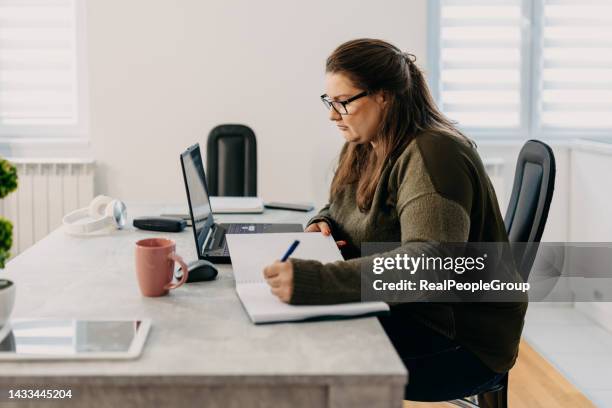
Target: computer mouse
199 271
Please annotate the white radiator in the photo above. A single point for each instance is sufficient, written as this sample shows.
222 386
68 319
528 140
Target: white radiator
47 190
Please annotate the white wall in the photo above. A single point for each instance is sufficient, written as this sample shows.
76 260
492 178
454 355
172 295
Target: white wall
590 216
162 73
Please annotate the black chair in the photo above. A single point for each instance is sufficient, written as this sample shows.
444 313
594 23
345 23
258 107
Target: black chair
532 192
534 183
231 161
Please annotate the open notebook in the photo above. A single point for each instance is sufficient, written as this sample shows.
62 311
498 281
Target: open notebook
252 252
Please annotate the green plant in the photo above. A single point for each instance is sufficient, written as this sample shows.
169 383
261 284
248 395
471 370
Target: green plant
8 184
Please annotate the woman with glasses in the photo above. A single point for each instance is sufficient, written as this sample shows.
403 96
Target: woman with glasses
406 174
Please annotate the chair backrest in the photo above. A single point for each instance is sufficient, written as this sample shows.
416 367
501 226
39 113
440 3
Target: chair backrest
532 193
231 161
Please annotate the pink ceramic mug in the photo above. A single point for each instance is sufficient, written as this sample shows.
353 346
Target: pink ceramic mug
155 259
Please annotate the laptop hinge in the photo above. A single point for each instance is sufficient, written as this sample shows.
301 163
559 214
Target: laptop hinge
206 244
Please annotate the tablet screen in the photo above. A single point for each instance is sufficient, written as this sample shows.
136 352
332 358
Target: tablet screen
70 339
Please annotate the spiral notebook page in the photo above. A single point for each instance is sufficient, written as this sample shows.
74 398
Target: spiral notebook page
252 252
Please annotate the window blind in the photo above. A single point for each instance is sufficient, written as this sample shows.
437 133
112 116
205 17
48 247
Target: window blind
38 63
576 64
480 62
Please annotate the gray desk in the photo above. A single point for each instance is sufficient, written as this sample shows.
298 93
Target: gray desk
202 350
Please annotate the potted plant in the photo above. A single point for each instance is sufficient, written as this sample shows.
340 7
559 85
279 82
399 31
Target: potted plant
8 184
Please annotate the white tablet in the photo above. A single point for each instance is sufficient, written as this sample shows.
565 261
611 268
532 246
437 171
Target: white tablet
69 339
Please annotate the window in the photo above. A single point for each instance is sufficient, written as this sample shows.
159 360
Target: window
576 65
523 67
42 86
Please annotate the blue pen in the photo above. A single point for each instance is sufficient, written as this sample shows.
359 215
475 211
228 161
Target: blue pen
290 250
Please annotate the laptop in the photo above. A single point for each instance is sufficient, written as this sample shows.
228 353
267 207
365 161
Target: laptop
210 236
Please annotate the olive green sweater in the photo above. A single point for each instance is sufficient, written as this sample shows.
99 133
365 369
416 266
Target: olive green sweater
436 190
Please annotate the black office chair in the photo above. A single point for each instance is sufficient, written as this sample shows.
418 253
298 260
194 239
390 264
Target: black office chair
231 161
532 192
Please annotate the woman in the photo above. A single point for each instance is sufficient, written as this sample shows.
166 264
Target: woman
406 174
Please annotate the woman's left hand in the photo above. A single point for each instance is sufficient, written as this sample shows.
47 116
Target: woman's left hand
279 276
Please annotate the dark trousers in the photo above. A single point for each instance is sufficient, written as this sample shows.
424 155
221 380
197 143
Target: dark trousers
439 369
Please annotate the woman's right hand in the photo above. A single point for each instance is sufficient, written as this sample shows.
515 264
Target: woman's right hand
323 228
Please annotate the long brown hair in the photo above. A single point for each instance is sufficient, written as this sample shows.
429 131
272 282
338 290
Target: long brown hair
375 65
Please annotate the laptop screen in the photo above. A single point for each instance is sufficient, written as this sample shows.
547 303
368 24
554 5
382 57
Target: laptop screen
197 195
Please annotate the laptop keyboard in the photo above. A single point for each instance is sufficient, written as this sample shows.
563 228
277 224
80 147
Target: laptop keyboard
240 229
244 228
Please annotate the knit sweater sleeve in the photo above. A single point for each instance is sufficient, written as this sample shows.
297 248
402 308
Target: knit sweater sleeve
424 215
323 215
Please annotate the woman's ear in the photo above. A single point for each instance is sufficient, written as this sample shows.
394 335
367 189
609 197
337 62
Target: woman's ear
381 98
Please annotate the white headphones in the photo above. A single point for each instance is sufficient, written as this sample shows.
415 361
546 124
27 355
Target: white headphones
105 212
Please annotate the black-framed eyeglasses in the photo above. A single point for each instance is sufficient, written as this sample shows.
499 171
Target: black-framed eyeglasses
340 106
